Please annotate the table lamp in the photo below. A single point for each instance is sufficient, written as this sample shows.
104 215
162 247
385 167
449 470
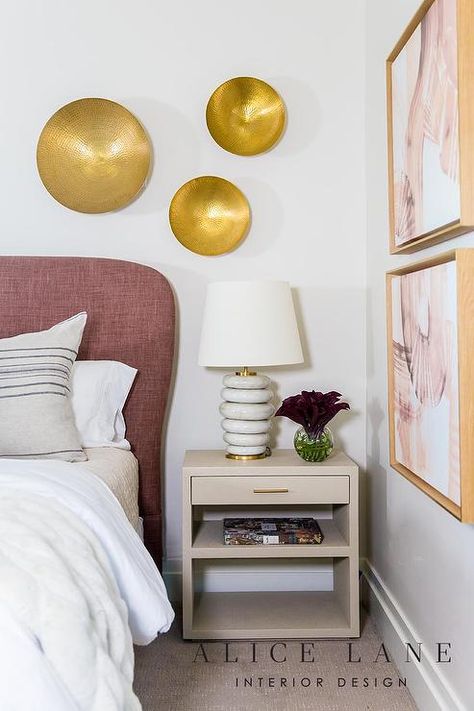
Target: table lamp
248 324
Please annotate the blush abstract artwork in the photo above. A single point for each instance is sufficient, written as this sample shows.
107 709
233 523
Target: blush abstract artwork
425 126
430 124
425 387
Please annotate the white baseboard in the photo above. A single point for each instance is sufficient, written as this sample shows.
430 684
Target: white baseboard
428 687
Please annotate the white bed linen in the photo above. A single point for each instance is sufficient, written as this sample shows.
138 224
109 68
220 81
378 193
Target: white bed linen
118 468
72 570
99 391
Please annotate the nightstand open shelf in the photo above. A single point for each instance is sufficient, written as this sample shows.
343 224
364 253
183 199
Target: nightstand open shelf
253 615
208 543
214 488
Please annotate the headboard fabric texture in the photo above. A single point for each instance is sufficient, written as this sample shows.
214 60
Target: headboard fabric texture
131 318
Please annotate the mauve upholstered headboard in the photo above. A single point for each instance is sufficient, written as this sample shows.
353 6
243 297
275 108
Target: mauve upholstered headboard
131 318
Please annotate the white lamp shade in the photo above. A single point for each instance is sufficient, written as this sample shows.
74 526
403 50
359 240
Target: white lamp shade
249 323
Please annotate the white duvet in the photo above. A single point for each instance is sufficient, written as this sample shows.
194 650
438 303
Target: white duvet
76 587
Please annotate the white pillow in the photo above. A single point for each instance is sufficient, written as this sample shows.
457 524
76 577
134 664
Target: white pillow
36 418
99 391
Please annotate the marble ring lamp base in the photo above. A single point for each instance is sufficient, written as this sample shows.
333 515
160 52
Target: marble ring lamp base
247 411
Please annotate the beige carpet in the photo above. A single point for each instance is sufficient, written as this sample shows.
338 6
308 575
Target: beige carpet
167 678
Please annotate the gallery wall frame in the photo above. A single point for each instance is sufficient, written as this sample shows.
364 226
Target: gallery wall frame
430 126
430 342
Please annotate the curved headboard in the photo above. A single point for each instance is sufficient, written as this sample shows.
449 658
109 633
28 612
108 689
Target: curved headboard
131 318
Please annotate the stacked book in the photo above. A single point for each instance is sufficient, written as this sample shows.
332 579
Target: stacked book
271 531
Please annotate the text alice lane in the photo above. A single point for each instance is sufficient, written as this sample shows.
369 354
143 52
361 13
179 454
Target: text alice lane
277 652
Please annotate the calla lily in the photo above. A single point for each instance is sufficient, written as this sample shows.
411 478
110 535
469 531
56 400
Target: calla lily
312 410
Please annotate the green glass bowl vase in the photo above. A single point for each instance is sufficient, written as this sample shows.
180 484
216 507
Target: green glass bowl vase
313 450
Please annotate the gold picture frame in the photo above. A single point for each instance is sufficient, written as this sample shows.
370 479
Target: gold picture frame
430 127
431 377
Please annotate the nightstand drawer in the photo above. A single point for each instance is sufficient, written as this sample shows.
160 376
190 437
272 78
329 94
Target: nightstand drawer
270 490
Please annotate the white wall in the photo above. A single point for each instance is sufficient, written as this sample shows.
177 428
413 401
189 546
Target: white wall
423 556
163 60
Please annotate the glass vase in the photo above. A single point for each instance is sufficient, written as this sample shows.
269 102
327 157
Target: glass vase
313 450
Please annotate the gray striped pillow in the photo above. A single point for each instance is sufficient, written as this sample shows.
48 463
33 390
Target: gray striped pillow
36 416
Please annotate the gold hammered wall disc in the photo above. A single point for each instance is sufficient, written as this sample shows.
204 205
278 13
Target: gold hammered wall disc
209 215
245 116
93 155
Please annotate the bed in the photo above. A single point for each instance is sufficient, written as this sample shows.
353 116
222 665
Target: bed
131 318
77 586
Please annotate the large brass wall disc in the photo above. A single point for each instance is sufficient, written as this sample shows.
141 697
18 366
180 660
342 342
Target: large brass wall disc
245 116
209 215
93 155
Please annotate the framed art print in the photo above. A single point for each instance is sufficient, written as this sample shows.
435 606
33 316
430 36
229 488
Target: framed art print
430 121
430 309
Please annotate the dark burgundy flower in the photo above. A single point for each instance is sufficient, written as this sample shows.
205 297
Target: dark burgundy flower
313 410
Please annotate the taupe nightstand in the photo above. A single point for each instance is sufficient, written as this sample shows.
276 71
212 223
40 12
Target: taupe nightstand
214 486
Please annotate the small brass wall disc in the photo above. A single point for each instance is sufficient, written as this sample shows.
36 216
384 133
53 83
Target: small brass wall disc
209 215
245 116
93 155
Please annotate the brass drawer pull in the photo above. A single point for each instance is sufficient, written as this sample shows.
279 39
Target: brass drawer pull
270 491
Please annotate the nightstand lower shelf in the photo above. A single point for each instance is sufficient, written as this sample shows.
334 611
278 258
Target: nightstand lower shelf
266 615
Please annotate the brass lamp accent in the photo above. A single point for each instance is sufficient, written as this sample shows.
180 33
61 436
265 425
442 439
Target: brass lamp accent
245 116
93 155
245 372
209 215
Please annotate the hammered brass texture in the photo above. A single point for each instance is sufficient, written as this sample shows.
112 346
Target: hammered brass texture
93 155
245 116
209 215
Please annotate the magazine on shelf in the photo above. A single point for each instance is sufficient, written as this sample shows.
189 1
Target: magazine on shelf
271 531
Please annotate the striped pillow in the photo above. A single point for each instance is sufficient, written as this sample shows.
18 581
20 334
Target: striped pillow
36 416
